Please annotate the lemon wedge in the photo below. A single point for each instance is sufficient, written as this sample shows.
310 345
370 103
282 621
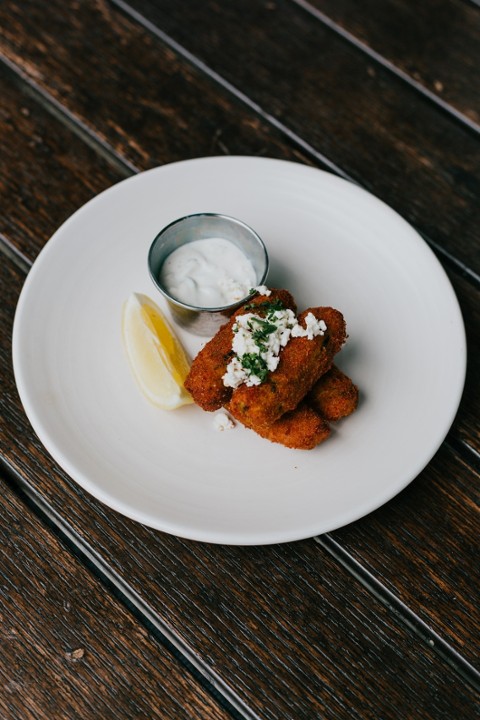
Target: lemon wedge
156 356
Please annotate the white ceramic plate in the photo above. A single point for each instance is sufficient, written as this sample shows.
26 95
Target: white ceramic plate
330 243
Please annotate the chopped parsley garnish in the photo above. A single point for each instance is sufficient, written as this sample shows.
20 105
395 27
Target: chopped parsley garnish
259 337
268 306
260 334
255 365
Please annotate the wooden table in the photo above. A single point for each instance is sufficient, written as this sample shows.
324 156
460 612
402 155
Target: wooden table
102 617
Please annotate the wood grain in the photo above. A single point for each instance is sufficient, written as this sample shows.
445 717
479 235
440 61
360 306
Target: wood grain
33 184
69 649
156 110
93 95
436 43
284 625
408 544
373 125
370 124
42 157
46 173
81 174
465 426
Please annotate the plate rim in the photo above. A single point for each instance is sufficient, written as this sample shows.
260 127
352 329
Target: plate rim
164 525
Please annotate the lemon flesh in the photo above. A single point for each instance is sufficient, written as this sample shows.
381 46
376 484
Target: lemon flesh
156 356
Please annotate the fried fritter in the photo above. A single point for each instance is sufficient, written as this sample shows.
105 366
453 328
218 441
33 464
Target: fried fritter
301 364
295 402
300 429
334 396
204 381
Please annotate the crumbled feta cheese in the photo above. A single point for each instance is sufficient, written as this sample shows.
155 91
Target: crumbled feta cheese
236 374
258 341
222 421
313 327
263 290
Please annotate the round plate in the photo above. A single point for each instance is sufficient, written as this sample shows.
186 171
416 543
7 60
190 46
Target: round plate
330 243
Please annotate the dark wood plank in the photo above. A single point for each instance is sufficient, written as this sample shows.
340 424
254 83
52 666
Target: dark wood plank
434 523
156 110
372 125
32 184
43 157
69 650
250 612
284 625
46 171
378 129
466 423
436 43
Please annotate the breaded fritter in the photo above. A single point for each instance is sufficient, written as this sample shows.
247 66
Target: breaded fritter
204 381
300 429
301 364
295 402
334 395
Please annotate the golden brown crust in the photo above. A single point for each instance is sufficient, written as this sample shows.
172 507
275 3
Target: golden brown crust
302 362
300 429
334 395
292 406
204 381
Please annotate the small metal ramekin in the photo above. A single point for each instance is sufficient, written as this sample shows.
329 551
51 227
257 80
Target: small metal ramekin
200 320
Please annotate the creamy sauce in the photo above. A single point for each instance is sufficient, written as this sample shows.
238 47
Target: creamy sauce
208 273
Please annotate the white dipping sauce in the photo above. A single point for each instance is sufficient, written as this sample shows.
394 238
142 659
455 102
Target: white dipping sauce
208 273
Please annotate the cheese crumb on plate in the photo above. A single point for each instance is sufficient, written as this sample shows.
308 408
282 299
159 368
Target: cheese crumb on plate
222 421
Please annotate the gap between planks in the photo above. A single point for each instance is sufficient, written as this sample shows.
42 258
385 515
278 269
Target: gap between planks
162 632
333 27
223 694
127 169
391 67
61 113
199 669
400 611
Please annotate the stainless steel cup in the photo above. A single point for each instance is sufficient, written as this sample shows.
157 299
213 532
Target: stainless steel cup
199 320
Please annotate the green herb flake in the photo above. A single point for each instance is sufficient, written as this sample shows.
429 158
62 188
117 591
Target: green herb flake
260 334
268 306
255 365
